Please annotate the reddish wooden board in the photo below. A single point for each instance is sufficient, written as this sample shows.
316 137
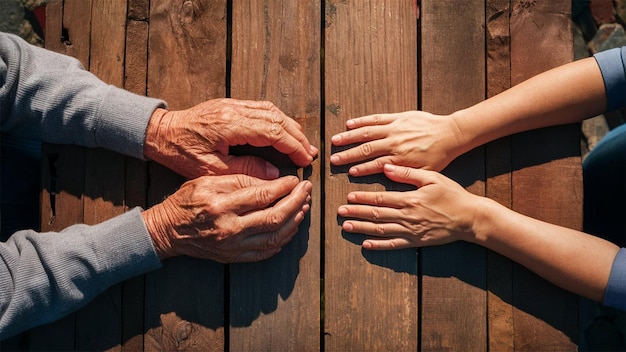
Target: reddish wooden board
370 66
275 304
453 77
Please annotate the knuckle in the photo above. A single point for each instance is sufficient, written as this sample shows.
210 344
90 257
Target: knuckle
278 118
376 119
366 133
379 164
406 172
268 105
273 240
276 131
378 200
380 229
375 214
263 196
274 221
365 149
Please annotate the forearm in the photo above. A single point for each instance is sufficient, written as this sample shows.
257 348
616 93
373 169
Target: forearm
570 259
44 276
51 97
566 94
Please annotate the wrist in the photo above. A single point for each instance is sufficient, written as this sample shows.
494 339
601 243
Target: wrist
158 233
464 132
486 214
152 145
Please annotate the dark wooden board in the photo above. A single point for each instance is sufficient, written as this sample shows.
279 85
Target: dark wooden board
453 77
69 33
500 325
370 66
186 66
546 177
275 304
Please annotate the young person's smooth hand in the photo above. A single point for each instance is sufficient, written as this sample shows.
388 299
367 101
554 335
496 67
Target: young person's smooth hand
414 138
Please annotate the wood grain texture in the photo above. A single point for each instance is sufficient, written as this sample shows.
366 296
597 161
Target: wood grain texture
187 57
64 166
370 67
136 72
546 178
275 304
500 325
453 77
186 66
98 324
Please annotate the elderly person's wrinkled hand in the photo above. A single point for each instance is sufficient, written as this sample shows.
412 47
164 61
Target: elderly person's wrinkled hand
196 141
438 212
228 219
413 138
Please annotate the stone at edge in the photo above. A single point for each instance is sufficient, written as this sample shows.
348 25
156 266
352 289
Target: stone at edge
609 36
602 11
620 9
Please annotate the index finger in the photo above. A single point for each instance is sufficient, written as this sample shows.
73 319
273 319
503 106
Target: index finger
269 219
370 120
261 195
284 134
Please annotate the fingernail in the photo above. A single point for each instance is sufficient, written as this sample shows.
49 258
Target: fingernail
334 159
336 138
351 197
271 171
347 226
342 211
313 150
350 123
353 171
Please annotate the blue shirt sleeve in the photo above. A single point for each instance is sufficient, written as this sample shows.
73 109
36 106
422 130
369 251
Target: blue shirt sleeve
613 67
615 294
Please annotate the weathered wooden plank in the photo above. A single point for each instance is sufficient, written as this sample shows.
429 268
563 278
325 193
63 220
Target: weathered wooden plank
453 77
68 32
370 67
547 181
498 183
136 72
275 304
61 206
98 324
186 65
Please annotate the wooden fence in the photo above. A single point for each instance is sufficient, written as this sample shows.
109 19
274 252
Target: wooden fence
321 62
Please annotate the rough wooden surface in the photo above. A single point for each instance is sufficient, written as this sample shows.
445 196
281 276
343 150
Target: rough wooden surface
275 304
185 300
546 177
321 62
453 77
500 324
370 67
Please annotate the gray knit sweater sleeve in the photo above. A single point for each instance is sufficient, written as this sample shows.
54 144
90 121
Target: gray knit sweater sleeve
45 276
50 97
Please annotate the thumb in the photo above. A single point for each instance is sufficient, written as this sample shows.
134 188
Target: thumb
409 175
251 166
